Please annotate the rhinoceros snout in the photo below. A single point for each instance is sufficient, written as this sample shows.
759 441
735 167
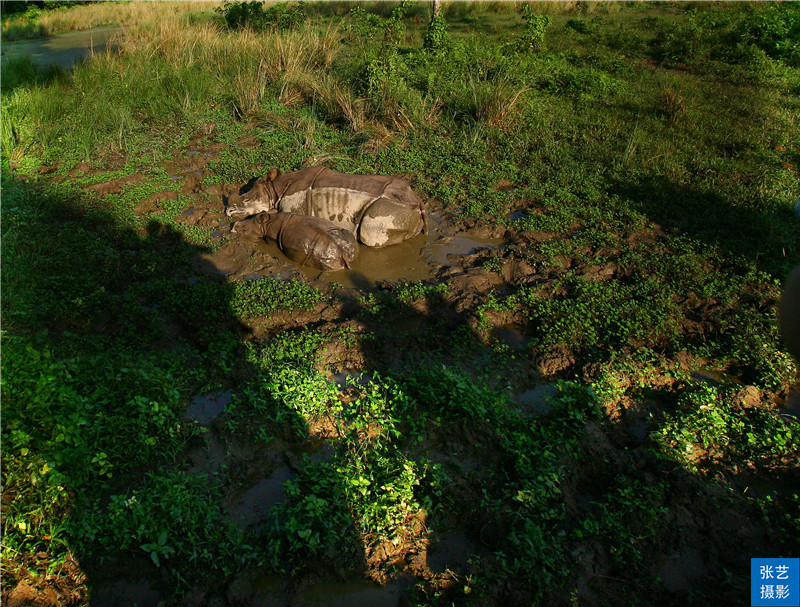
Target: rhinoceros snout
234 207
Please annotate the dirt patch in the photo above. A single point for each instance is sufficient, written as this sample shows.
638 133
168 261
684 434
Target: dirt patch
151 204
115 185
64 586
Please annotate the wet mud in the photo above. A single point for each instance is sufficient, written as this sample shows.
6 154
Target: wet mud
206 407
419 258
471 260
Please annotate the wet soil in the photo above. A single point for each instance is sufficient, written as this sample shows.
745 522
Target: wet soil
472 259
420 258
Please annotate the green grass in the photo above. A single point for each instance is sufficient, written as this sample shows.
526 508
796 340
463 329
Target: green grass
652 157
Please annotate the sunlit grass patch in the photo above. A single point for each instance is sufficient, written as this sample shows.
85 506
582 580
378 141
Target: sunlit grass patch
711 427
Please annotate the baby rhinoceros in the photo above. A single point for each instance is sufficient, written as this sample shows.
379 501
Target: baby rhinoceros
306 240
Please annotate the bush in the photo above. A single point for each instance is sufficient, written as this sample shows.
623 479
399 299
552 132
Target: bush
436 34
535 27
255 16
727 35
579 25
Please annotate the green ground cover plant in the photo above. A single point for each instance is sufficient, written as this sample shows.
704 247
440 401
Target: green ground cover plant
603 391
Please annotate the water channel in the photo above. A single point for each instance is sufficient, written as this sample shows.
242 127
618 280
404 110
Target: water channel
63 50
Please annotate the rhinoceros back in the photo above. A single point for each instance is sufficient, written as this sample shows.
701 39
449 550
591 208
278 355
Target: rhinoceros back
340 198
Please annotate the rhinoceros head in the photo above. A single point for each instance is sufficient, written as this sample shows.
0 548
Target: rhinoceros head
260 197
256 226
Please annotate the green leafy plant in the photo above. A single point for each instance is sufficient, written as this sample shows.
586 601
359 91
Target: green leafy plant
436 38
535 28
256 15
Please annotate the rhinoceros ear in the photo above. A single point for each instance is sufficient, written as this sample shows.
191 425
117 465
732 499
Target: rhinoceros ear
273 174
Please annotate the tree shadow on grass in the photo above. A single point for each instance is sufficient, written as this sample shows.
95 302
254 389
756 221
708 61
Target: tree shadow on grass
108 334
759 230
549 500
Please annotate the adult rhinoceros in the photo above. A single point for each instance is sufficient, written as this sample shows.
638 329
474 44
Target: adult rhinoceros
379 210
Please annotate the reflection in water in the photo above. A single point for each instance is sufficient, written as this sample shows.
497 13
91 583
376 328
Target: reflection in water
258 501
122 593
206 407
63 50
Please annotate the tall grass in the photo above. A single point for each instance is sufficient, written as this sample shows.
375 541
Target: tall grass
101 13
164 70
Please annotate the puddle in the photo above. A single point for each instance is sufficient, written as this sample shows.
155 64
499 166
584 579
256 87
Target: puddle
317 450
791 406
123 593
450 551
348 594
257 502
536 401
516 215
413 260
511 336
63 50
710 376
258 589
638 431
347 378
439 253
206 407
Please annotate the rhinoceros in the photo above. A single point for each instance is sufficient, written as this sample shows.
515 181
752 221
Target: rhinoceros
309 241
379 210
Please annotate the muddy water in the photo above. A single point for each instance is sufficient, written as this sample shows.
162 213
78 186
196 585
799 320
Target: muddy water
257 502
348 594
63 50
122 593
413 260
206 407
